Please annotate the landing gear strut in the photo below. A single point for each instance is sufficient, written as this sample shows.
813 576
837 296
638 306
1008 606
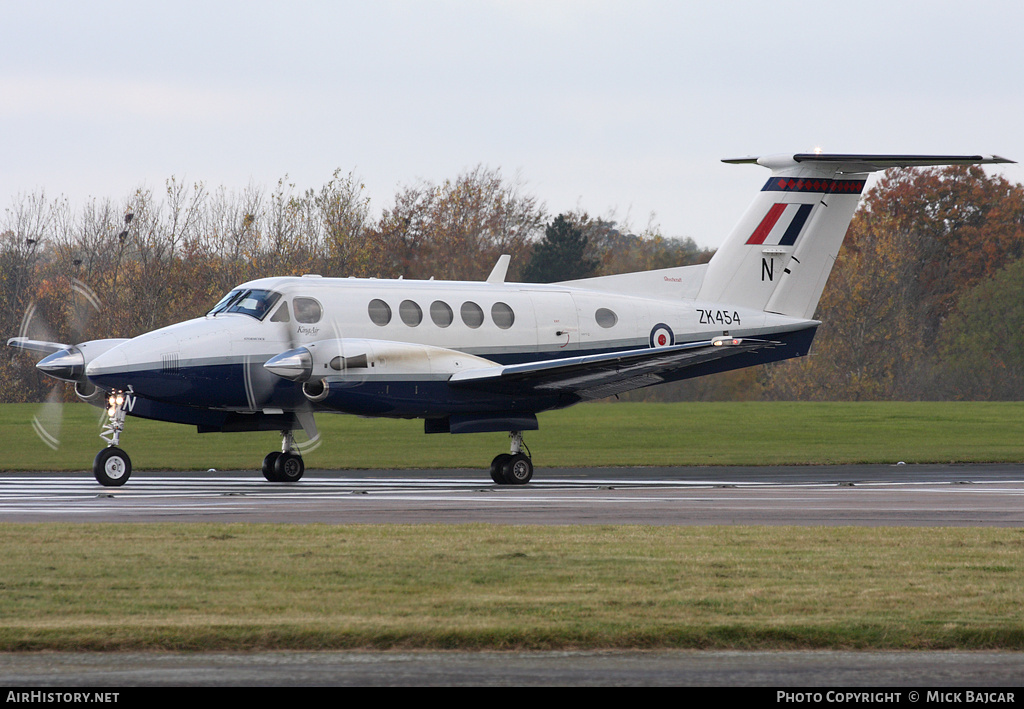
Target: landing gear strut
515 467
286 466
112 466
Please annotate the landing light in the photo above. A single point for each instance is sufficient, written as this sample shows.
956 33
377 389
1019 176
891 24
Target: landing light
114 402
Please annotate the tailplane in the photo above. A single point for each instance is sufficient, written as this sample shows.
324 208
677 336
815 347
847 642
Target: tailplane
781 253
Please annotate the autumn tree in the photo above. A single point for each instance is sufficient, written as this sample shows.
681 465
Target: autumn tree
458 229
920 240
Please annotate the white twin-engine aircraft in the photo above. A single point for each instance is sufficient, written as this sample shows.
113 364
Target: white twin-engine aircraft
481 356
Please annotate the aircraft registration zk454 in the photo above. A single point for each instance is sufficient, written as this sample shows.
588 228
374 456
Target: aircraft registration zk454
482 356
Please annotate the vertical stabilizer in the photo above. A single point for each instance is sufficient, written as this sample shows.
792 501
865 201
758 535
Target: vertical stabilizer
781 253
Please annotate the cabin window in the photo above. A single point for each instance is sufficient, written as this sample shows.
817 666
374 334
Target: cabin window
307 310
410 313
441 313
380 312
502 315
472 314
606 318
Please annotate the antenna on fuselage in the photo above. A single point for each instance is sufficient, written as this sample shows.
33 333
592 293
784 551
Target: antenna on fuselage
500 269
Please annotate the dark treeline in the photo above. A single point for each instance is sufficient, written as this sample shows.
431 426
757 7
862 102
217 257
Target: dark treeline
926 300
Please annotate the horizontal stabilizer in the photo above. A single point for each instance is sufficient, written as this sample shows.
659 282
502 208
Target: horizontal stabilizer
853 162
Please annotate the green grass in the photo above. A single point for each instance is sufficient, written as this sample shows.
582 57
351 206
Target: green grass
206 587
606 434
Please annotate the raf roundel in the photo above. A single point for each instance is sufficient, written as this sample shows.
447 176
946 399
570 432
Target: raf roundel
662 336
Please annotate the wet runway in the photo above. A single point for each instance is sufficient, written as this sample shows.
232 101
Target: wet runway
919 495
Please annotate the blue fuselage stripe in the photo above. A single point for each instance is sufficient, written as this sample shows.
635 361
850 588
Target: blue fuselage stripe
202 395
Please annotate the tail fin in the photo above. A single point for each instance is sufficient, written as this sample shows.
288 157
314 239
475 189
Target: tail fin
781 253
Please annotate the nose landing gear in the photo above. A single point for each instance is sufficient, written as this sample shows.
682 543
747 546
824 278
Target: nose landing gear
112 466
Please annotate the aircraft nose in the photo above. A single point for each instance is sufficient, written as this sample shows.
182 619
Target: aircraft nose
108 368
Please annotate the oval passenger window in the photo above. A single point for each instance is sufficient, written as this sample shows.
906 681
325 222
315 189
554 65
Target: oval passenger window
441 313
410 313
472 314
380 312
502 315
605 317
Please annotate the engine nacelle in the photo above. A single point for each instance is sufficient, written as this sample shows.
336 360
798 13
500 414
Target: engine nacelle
357 358
68 364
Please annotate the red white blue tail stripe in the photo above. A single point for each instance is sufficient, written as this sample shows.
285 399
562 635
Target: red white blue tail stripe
781 225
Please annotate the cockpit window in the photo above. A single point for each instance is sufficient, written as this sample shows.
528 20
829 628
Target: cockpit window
227 300
254 303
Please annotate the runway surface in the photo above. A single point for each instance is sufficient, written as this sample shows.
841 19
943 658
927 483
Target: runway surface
693 668
898 495
919 495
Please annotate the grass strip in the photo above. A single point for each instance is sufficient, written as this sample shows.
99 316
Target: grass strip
602 434
311 587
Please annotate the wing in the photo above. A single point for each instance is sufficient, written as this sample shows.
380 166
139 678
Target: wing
23 343
598 376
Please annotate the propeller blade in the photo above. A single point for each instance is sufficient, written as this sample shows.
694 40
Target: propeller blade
65 362
47 421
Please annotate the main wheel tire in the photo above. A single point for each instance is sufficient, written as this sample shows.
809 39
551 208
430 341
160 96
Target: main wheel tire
518 469
288 468
268 466
498 468
112 467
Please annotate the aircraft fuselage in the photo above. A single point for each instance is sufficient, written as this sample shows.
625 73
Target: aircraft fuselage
406 336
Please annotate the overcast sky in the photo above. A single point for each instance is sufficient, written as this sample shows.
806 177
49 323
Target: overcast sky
612 107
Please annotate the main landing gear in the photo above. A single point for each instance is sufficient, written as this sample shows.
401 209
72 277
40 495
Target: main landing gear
112 466
515 467
286 466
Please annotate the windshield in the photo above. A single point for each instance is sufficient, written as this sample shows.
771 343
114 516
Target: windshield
254 303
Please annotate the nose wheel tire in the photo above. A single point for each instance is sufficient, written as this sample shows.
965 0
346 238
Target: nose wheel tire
112 467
